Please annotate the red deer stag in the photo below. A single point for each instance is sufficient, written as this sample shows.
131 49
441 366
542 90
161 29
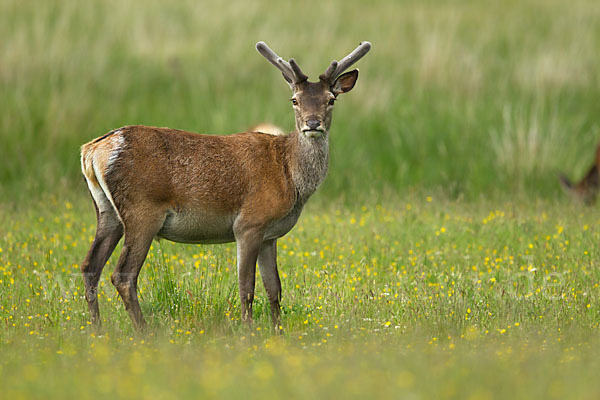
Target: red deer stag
249 188
587 189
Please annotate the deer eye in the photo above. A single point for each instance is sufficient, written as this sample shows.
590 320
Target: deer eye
331 102
295 102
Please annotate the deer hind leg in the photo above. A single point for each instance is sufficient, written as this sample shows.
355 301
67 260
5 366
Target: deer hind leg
138 238
109 231
267 263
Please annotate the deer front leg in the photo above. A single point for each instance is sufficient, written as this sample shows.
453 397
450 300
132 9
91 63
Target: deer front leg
267 262
248 245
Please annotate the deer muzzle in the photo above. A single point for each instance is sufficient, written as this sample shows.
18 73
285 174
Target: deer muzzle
313 128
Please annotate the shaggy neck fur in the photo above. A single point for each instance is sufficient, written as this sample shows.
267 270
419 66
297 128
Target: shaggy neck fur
309 163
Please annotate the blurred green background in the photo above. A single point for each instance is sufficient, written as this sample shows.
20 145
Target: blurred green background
467 97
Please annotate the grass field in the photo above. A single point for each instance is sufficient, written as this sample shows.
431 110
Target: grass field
427 297
438 260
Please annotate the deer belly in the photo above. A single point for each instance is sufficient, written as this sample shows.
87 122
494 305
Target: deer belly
284 225
197 227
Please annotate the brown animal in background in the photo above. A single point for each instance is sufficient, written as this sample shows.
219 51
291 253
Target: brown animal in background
587 189
249 188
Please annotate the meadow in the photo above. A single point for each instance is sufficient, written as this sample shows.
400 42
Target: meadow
425 298
439 259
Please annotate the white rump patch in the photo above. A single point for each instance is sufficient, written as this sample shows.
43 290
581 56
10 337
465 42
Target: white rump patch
99 197
118 144
105 191
101 194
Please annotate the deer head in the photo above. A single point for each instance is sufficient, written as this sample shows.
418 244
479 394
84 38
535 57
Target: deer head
313 101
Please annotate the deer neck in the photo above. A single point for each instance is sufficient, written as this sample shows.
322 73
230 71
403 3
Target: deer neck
309 160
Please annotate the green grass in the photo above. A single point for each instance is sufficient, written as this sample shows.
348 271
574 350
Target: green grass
438 260
427 297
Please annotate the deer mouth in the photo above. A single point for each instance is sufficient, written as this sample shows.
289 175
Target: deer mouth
313 133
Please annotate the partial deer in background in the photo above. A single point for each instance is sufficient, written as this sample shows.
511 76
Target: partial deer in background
265 127
587 189
249 188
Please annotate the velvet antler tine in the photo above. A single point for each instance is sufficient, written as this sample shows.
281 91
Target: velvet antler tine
274 59
267 53
298 74
327 75
285 67
351 58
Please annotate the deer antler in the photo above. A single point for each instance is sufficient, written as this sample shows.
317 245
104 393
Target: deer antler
300 77
336 68
290 70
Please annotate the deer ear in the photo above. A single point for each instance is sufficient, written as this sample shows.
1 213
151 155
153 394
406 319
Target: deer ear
345 82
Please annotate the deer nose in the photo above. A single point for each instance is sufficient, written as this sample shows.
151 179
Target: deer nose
313 123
